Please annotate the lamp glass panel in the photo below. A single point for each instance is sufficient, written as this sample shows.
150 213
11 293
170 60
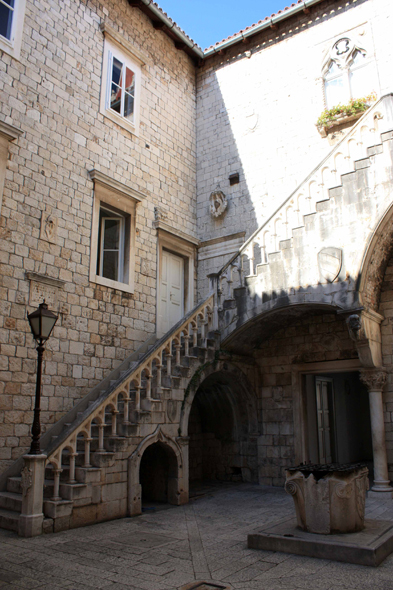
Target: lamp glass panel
35 325
46 326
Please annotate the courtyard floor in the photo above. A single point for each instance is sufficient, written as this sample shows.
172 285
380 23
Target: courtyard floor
168 548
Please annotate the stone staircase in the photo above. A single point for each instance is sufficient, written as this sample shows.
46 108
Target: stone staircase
90 450
106 426
336 206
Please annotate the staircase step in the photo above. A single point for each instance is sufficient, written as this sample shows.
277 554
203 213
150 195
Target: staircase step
14 485
364 163
9 520
11 501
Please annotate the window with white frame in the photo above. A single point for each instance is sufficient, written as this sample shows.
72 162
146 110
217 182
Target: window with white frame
121 84
112 255
12 13
349 72
113 244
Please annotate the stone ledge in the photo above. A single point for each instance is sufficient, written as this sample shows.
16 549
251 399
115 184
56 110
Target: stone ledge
368 547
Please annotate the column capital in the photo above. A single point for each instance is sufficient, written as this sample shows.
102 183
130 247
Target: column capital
373 379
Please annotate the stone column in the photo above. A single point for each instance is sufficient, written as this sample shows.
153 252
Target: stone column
33 475
374 380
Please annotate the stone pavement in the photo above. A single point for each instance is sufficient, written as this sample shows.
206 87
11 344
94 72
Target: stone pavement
169 548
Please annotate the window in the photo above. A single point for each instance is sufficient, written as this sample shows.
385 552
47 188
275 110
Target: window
113 251
121 81
348 73
12 14
112 255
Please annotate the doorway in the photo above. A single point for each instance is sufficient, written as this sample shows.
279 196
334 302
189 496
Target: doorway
171 290
338 419
158 475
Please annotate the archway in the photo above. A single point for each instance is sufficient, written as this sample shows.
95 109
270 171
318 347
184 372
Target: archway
176 488
158 474
222 429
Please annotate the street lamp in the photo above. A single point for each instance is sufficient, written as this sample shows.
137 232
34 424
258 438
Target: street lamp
41 322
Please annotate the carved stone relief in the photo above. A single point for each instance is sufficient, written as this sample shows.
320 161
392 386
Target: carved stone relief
27 479
329 263
49 225
218 203
373 379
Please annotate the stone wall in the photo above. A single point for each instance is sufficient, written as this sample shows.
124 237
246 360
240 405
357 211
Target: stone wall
52 94
258 104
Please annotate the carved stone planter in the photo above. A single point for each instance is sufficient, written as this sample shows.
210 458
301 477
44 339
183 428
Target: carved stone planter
328 498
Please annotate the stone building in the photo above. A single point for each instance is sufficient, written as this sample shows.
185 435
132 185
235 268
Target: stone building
219 263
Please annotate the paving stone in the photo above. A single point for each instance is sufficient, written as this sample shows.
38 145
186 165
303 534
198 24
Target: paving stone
210 534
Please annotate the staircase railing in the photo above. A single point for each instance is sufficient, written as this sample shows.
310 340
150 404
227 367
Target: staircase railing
124 397
314 188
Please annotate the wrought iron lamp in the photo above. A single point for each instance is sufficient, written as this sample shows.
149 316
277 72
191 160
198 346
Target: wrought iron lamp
41 322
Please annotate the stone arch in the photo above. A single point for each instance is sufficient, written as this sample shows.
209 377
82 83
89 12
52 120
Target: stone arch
178 492
222 407
377 253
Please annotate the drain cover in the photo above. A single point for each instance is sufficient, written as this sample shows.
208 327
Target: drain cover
205 586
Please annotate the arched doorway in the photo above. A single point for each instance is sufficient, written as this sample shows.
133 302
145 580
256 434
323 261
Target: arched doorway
158 474
222 430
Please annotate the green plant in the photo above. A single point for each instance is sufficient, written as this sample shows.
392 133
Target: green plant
355 106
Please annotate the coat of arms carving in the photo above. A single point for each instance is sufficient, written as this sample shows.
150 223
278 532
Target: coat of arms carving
329 263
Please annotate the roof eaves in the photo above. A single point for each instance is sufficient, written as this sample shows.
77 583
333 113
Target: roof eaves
265 24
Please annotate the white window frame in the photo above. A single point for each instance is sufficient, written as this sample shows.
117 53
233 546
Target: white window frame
124 221
115 47
111 194
13 45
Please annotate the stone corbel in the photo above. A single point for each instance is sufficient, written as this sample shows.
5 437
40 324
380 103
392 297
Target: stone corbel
364 328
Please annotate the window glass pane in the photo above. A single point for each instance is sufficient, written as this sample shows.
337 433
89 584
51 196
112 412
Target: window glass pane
116 91
358 59
110 264
333 70
130 81
362 81
6 14
335 92
111 234
128 106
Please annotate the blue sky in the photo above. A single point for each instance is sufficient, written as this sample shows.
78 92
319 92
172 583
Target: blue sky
209 21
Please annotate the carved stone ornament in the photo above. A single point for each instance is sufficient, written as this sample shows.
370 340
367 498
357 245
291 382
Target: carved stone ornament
218 203
354 323
373 379
27 479
342 52
329 263
49 225
159 214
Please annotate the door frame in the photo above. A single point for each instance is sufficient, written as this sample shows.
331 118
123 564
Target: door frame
300 401
178 246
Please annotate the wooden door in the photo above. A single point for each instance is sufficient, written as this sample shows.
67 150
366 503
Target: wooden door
171 296
324 399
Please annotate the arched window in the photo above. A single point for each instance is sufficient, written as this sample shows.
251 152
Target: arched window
348 72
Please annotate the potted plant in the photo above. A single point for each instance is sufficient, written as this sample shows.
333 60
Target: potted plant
344 113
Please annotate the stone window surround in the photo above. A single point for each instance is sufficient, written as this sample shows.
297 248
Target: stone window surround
13 46
134 59
7 133
345 61
108 191
178 243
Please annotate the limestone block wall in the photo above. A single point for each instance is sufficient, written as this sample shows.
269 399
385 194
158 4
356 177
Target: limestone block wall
315 338
258 103
52 94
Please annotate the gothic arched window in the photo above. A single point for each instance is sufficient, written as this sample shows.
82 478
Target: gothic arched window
348 72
